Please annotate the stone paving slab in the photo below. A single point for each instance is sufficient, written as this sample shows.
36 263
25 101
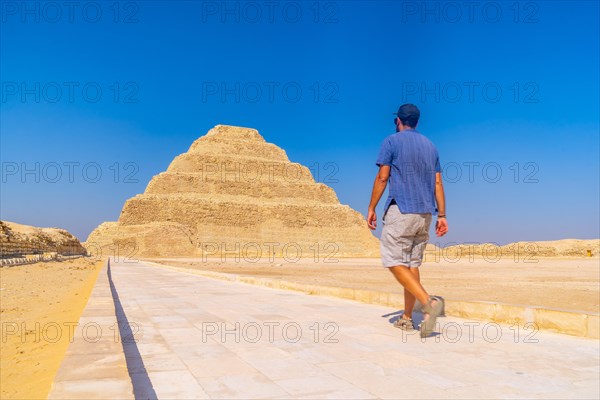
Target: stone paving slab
204 338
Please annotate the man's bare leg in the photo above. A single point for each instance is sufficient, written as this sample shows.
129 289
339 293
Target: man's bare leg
409 298
410 282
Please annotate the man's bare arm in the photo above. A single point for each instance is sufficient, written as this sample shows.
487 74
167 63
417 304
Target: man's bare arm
441 226
440 199
378 188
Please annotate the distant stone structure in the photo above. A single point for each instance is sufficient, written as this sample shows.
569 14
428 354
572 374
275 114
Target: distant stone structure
23 241
233 194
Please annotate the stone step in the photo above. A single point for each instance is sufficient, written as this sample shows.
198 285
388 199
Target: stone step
241 167
246 211
225 184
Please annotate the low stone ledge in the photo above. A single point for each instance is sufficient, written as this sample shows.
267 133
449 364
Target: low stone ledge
32 259
511 314
593 326
561 321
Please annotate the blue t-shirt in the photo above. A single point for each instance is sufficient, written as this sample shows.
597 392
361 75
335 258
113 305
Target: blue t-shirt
414 162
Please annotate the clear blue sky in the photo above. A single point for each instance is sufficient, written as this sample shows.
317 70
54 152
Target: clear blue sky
512 87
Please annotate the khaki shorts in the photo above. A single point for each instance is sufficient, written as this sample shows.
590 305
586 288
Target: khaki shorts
403 238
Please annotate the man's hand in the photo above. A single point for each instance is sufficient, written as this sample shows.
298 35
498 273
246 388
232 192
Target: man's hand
441 227
372 219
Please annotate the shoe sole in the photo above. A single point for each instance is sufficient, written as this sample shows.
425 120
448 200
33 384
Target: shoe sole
404 328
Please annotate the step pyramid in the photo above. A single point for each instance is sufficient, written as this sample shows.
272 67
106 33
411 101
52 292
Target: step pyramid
231 195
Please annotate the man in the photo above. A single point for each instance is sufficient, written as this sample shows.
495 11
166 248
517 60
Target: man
411 163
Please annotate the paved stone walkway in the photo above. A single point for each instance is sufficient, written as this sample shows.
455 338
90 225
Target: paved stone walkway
203 338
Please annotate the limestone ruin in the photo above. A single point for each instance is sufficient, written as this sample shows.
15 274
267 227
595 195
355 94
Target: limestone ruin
17 240
232 193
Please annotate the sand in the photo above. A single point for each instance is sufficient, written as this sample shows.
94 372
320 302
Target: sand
565 283
46 294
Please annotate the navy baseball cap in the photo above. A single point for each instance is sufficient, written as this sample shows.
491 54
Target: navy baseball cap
408 112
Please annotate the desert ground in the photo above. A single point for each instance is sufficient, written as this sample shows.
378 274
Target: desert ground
565 283
39 298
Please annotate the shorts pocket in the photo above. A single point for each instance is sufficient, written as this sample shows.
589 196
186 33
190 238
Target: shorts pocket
392 214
